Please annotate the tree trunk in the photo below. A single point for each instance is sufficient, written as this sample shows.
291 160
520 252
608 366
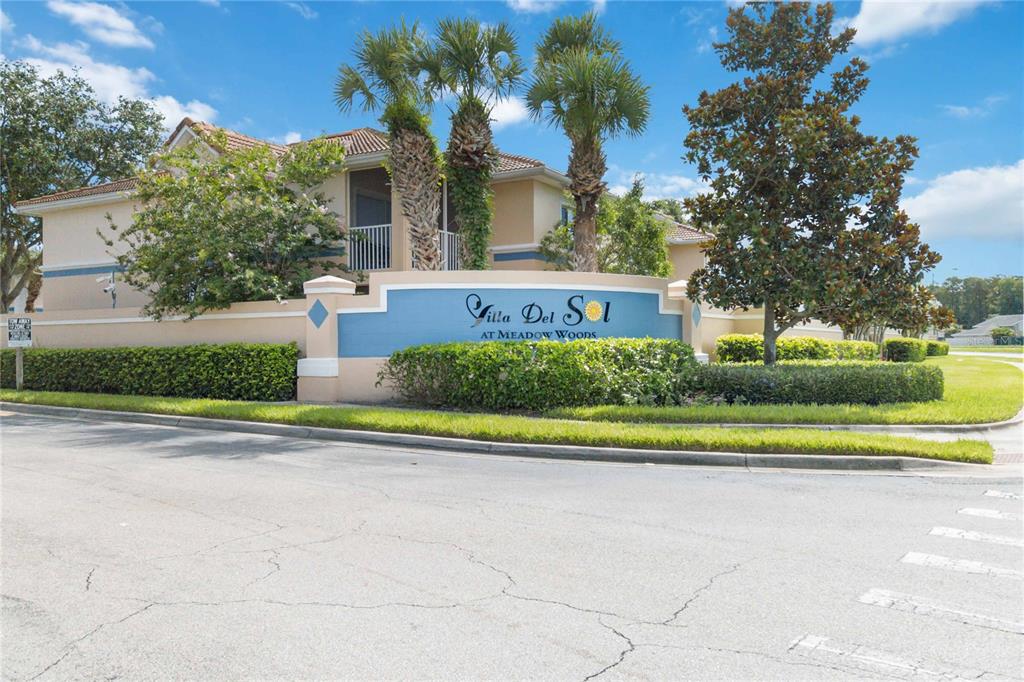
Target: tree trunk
584 234
587 166
34 286
770 334
471 158
417 178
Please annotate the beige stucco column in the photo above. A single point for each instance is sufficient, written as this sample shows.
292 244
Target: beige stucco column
318 371
691 319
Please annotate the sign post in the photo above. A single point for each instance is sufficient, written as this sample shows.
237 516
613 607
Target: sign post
19 337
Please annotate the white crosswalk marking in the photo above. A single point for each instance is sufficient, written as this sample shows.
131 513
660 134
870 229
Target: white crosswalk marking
987 513
857 657
927 607
1000 494
960 565
975 536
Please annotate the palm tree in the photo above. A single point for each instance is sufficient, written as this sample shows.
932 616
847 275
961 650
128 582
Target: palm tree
386 77
480 65
583 85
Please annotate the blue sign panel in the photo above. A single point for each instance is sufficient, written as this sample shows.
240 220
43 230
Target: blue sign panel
415 316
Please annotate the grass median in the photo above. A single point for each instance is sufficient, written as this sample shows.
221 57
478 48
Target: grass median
519 429
977 391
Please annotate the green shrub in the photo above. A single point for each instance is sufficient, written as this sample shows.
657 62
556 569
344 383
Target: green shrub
937 348
822 382
231 371
739 348
905 350
856 350
537 375
750 348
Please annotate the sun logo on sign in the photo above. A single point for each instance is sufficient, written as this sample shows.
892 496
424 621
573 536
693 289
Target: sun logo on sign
594 311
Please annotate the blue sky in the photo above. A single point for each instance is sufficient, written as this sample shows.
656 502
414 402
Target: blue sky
949 73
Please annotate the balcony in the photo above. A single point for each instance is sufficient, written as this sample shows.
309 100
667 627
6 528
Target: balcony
369 248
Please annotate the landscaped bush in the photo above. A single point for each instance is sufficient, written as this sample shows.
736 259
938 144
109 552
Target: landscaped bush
937 348
822 382
750 348
905 350
536 375
856 350
232 371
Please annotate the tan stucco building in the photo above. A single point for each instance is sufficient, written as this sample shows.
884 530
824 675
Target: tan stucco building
529 200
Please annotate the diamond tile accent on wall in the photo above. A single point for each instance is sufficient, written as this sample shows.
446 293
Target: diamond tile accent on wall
317 313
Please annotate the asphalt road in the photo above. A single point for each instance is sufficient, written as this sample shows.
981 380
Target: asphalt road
151 553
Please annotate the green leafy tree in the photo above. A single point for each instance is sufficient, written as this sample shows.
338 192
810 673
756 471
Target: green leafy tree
480 65
975 299
245 225
583 85
636 238
630 239
673 208
58 136
803 206
386 76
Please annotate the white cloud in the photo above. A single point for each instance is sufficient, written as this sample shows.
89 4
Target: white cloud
174 111
101 22
598 6
708 43
977 111
532 6
111 81
6 24
508 112
974 202
886 20
656 185
291 137
304 10
212 3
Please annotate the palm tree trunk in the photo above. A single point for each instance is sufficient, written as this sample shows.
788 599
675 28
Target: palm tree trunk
587 166
417 178
471 158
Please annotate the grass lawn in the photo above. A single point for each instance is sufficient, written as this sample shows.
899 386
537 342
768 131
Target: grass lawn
1019 350
977 390
519 429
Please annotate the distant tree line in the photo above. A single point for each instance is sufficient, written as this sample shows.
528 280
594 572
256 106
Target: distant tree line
975 299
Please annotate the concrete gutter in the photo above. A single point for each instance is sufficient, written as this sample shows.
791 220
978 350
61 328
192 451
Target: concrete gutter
568 452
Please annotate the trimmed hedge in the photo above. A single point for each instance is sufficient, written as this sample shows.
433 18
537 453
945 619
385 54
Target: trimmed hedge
936 348
750 348
905 350
537 375
230 371
822 382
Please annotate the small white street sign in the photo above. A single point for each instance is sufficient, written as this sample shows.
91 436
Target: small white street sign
19 332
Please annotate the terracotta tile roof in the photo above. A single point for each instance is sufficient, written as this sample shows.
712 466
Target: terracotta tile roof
235 139
681 232
359 141
123 185
512 162
356 142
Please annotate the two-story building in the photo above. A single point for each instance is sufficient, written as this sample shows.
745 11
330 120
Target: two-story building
529 200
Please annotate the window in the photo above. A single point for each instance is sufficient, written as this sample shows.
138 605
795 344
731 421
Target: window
568 215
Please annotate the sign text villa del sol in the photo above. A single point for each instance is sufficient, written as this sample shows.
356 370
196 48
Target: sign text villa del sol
534 321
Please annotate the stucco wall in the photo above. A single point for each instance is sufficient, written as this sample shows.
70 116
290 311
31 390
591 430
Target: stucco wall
685 258
513 213
257 322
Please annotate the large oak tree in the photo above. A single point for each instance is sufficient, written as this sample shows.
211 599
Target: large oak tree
57 135
803 206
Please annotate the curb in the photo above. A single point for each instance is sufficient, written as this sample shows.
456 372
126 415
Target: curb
567 452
